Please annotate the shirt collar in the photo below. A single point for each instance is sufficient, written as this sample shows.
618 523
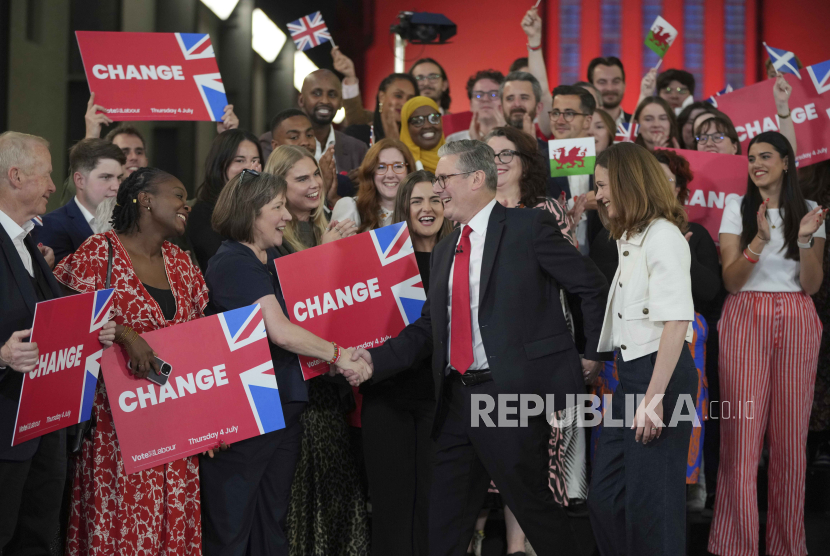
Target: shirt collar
322 148
479 222
637 239
13 229
88 216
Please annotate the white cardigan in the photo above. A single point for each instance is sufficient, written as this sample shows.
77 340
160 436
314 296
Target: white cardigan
652 285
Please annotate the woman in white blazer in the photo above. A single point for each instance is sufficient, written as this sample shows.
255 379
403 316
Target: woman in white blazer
637 499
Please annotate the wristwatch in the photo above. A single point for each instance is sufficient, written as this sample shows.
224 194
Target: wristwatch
807 245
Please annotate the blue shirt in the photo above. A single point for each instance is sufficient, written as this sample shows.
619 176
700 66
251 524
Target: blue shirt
237 278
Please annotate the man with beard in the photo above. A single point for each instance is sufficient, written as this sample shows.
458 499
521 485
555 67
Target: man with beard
521 101
432 82
320 99
608 77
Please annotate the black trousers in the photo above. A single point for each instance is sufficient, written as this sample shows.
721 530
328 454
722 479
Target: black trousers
398 453
467 457
245 492
31 492
637 498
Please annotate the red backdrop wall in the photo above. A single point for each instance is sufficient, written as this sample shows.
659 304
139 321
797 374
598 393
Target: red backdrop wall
490 36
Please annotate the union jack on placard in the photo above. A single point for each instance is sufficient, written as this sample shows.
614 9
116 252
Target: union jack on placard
309 31
101 309
195 45
260 385
410 297
627 132
392 242
820 75
243 326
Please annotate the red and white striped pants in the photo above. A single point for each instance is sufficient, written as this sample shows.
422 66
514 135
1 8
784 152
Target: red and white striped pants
769 346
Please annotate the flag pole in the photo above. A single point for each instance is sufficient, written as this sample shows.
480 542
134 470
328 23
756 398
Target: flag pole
537 3
333 45
657 67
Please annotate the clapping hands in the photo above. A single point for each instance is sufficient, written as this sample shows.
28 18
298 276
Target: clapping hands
355 365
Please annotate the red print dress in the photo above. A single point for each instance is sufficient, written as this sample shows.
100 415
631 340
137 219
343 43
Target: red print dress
151 512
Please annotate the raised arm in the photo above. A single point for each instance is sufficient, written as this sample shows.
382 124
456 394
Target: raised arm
781 92
532 26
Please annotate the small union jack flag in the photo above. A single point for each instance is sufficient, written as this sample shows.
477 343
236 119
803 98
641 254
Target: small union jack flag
713 101
309 31
627 132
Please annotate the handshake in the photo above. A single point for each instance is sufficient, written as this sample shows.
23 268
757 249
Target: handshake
355 364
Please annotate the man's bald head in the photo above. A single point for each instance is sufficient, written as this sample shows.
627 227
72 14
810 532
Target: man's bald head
321 96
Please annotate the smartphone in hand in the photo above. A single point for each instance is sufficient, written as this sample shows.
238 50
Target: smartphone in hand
165 369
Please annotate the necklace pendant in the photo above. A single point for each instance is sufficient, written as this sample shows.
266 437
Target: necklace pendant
773 227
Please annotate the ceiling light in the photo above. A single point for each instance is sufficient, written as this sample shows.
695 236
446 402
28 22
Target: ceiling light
266 38
222 8
302 67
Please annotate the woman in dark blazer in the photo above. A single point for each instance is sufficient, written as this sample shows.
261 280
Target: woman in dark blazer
245 489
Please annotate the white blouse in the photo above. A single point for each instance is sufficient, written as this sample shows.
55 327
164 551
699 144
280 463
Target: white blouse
772 272
347 208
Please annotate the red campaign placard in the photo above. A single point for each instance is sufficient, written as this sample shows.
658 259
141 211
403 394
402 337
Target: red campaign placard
60 391
453 123
153 76
358 291
222 387
752 110
717 179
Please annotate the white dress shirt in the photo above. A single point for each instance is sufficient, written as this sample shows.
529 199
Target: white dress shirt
580 185
88 216
320 149
18 234
479 225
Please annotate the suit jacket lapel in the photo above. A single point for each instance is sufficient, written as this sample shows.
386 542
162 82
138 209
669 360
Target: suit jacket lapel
495 227
440 281
78 220
21 276
38 259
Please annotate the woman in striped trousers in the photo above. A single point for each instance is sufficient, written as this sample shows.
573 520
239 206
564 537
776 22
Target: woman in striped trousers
772 242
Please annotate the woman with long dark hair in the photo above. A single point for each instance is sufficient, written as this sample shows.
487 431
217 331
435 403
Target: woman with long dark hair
772 244
231 152
397 413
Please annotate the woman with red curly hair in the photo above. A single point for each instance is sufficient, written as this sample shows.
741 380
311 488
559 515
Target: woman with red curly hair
706 289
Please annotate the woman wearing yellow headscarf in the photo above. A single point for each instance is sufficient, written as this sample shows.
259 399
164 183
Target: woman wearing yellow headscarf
421 130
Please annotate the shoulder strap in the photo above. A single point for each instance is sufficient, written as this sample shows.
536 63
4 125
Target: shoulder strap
109 264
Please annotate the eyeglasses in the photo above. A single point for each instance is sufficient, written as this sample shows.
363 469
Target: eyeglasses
506 156
715 137
418 121
485 95
398 168
247 171
442 180
678 90
430 77
569 115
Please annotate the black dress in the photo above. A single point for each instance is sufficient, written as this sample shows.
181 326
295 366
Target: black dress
397 418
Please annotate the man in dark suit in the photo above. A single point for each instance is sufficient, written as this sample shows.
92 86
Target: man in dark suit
96 167
607 75
494 324
320 99
32 474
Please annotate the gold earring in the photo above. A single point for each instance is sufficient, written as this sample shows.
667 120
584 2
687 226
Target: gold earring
380 107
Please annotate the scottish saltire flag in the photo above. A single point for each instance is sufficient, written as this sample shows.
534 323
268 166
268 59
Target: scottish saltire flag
661 36
309 31
783 61
627 132
820 75
572 157
713 101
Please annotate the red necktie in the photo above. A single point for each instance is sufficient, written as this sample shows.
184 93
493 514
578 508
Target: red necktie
461 329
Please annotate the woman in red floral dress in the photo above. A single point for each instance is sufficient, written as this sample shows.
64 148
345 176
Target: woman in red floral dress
156 511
